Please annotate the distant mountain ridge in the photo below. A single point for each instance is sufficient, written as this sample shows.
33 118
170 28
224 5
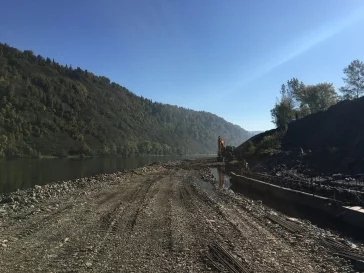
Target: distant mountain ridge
50 109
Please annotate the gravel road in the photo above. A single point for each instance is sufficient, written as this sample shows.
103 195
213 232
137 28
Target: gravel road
159 218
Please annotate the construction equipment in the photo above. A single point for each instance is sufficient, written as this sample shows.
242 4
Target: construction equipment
224 153
230 153
220 149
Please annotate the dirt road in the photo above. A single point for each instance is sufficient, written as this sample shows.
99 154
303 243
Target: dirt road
153 219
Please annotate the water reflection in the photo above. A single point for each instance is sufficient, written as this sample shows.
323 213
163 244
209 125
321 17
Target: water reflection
21 173
222 177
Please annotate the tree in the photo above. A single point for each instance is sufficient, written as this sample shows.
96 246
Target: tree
79 112
29 54
354 80
317 97
11 91
298 99
283 110
3 145
303 111
295 88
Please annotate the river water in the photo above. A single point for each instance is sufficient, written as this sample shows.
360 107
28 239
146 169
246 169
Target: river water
21 173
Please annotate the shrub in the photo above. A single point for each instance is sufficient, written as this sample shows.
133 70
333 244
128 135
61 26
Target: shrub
270 144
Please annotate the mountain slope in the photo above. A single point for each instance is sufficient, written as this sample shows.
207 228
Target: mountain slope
50 109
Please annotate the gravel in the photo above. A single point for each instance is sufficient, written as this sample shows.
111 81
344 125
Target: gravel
159 218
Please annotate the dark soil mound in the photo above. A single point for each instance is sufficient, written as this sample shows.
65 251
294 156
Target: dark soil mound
332 140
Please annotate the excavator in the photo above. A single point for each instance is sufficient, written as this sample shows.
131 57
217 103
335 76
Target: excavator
224 152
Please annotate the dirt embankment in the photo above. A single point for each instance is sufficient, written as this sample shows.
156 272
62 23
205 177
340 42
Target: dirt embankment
158 218
328 142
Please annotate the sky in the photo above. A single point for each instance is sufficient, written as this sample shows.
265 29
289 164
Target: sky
229 58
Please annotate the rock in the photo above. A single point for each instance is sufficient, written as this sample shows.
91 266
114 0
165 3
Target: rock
272 212
88 264
4 245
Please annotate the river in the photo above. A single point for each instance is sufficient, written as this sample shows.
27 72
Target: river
22 173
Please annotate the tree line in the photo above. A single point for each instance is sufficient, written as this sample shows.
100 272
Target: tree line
51 109
298 100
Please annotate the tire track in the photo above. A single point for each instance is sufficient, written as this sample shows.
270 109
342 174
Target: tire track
93 236
71 235
120 228
144 232
39 225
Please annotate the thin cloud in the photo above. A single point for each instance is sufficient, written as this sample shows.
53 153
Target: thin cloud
300 46
316 37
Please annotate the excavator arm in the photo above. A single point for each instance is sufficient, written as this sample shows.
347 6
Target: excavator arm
221 149
224 152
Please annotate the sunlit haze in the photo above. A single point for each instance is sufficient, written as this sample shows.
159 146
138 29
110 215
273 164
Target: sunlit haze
224 57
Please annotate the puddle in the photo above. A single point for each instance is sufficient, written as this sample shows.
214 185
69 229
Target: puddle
221 176
207 186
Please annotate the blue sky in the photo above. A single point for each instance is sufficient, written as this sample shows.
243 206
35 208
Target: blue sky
225 57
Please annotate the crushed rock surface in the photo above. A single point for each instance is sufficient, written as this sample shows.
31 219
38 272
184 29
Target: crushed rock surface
158 218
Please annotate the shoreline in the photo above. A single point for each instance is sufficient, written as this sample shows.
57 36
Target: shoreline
108 156
23 173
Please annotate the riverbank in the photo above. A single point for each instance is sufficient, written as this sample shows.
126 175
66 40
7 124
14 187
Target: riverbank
158 218
82 156
23 173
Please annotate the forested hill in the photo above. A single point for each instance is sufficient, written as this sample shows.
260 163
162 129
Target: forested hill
50 109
